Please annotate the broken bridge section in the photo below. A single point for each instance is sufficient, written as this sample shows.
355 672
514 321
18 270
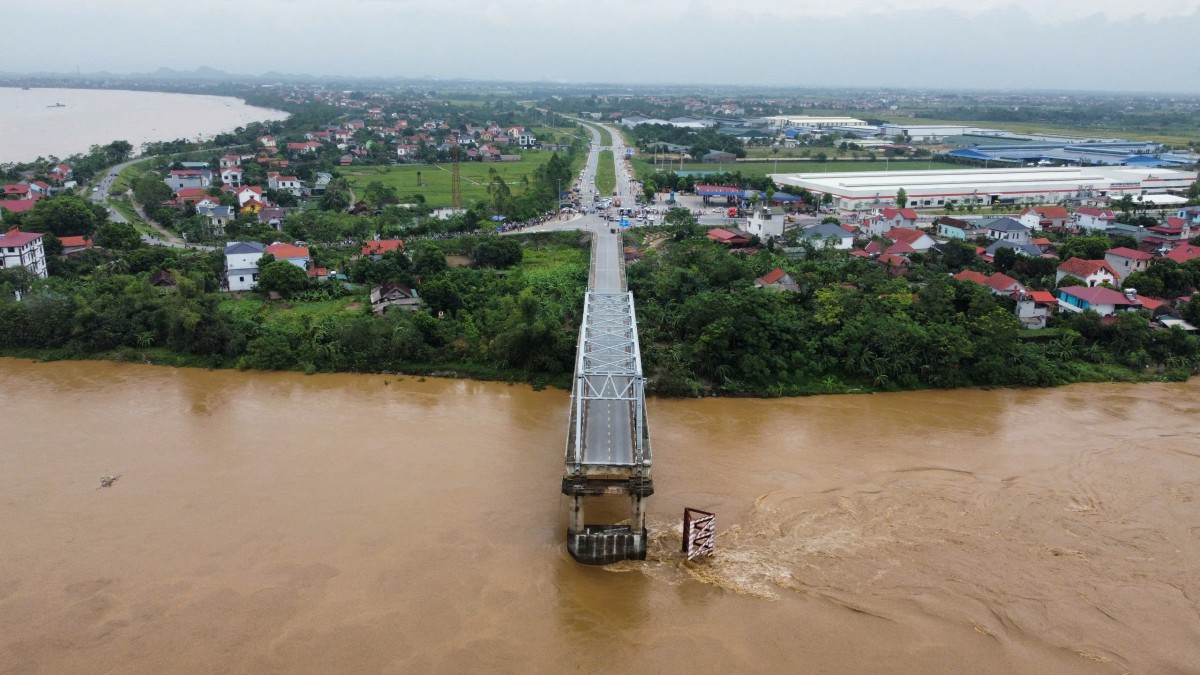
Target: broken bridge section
608 442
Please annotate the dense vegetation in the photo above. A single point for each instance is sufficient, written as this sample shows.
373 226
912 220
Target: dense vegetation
706 328
514 323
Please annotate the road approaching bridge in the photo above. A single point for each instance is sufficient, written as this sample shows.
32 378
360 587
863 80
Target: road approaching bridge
608 440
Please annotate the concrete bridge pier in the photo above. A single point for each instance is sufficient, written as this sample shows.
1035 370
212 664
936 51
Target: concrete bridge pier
603 544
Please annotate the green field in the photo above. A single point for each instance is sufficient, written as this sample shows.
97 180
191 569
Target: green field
436 179
643 167
606 173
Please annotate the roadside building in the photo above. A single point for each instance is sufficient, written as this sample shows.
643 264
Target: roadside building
1093 218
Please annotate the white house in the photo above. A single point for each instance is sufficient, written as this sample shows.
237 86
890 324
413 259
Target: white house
218 216
291 184
232 175
241 264
1007 229
917 239
1091 272
231 160
247 193
23 249
1092 218
766 222
899 218
180 179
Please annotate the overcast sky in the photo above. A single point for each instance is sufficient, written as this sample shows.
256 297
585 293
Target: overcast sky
1145 45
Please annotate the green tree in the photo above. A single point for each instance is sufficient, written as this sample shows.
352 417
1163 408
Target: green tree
1087 248
428 259
283 277
901 198
64 215
118 236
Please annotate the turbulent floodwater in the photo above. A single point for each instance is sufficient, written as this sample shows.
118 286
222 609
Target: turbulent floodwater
30 127
282 523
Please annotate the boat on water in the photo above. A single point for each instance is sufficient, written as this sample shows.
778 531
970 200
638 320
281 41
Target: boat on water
56 105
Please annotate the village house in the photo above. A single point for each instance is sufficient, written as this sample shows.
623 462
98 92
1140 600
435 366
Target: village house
829 235
1045 218
23 249
1026 249
906 218
956 228
393 294
1179 254
232 175
998 283
267 141
230 160
241 264
1103 301
375 249
918 240
17 191
778 280
289 184
1007 229
62 173
17 205
1124 261
296 255
164 279
728 237
272 217
75 244
1034 308
1168 235
1091 272
180 179
218 216
1092 218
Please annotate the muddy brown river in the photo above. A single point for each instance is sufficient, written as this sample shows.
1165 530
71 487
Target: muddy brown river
268 522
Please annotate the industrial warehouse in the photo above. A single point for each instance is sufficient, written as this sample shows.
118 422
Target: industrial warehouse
862 190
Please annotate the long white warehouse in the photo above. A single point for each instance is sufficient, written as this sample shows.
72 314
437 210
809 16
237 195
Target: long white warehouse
874 189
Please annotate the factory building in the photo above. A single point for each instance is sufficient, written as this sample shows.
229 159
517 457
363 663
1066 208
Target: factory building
784 121
865 190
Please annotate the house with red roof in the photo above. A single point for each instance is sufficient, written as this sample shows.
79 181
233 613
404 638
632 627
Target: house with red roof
75 244
1045 218
1002 284
918 240
899 217
61 173
1103 301
297 255
1034 308
232 175
1092 272
266 141
1124 261
1093 218
779 280
1169 234
23 249
17 205
728 237
1179 254
998 283
16 191
375 249
973 276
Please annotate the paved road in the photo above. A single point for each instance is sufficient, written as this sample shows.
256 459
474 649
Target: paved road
608 424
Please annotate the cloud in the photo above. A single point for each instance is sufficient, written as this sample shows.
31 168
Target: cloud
1069 44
